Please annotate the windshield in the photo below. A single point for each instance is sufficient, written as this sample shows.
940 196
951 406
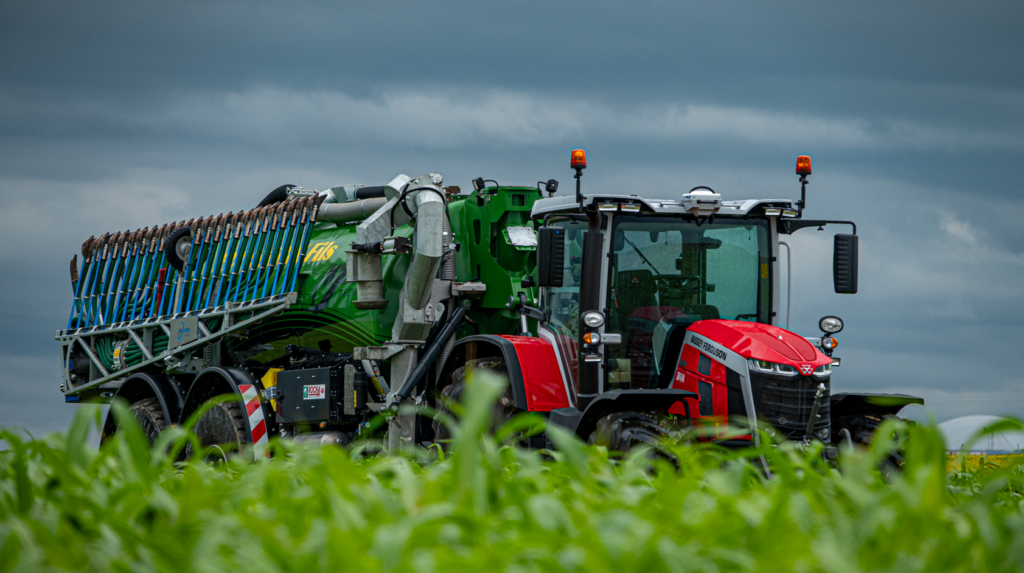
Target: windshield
667 274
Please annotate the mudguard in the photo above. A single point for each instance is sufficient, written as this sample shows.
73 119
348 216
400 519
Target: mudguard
142 385
218 381
860 404
533 373
584 422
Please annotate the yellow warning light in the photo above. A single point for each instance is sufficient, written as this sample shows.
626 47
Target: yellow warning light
578 159
803 165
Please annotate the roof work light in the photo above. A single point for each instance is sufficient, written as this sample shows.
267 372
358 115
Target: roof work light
578 159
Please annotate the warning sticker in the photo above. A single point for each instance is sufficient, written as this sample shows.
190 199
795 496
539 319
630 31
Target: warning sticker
314 392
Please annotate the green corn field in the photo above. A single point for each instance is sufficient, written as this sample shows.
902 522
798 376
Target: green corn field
489 506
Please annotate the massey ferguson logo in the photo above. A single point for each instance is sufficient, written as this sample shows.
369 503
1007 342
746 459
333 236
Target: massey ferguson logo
314 392
806 369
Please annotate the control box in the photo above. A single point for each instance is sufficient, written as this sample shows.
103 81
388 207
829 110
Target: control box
310 395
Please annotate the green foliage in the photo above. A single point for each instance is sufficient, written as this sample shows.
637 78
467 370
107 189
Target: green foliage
488 506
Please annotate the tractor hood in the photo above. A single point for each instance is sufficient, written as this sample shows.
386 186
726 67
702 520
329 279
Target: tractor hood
761 342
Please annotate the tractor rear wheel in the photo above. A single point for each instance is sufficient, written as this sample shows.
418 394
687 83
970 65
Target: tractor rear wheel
452 393
221 427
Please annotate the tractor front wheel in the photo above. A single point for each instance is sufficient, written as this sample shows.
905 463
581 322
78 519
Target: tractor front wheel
862 431
625 430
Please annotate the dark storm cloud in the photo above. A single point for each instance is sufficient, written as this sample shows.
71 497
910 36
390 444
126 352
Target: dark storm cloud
125 114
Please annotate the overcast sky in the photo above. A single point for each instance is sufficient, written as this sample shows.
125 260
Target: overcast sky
118 115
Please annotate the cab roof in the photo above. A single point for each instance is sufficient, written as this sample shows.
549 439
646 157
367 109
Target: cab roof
567 204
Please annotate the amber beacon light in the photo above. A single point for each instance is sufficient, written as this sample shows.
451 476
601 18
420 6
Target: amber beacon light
578 160
803 165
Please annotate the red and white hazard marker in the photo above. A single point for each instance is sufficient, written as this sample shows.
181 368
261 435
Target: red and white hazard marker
258 425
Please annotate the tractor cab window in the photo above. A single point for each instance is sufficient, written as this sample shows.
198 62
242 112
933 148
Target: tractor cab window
667 274
562 304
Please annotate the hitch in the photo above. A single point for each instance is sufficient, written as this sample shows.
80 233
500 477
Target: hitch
814 413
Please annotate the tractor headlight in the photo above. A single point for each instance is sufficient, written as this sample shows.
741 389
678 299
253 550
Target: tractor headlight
593 319
830 324
829 343
825 370
771 367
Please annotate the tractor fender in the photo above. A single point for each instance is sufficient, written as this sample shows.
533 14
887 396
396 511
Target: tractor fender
486 346
533 372
583 422
859 404
142 385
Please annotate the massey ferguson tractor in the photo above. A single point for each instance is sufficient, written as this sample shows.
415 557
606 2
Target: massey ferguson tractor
614 316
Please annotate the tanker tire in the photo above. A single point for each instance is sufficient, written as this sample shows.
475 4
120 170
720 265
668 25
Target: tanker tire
148 414
222 426
150 417
503 408
174 251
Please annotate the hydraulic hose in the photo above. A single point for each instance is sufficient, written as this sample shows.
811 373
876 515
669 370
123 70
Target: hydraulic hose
430 355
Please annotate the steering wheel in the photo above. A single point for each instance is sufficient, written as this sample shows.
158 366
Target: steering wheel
681 283
676 278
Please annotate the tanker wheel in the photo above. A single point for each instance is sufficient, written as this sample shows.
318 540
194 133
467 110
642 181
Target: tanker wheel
503 408
221 430
148 414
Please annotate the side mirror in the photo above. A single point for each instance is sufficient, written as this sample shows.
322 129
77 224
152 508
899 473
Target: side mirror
844 264
550 256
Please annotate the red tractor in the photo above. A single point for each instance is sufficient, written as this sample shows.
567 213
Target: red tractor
652 309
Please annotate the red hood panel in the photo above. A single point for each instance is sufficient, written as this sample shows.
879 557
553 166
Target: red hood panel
761 342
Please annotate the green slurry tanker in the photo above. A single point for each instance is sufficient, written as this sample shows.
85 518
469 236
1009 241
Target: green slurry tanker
614 316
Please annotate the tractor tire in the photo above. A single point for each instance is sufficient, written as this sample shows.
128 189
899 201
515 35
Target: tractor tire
862 432
623 431
503 408
222 426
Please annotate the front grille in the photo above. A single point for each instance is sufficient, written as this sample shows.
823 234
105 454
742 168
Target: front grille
786 402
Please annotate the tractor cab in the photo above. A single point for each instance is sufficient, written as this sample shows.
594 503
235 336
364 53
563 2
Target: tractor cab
662 270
